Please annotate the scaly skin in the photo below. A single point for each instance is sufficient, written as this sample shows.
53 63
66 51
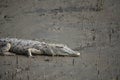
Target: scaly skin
29 47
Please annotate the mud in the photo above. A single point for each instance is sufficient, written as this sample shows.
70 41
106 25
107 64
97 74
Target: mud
90 27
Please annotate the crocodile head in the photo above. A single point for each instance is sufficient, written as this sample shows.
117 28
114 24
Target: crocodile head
60 49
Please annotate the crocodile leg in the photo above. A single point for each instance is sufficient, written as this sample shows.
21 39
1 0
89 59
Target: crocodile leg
33 51
4 49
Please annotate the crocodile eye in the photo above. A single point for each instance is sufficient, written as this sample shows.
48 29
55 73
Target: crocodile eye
59 46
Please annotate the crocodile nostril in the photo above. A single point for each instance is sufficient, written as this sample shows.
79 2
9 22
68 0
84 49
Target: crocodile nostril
78 54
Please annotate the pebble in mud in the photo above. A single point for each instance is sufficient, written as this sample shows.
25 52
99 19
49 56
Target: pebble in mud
47 59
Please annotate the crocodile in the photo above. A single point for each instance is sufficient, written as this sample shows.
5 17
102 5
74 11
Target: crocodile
13 46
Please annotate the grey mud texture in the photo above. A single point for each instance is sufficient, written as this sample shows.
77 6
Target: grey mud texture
91 27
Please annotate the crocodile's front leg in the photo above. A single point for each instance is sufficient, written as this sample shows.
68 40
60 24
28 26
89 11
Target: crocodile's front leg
33 51
4 49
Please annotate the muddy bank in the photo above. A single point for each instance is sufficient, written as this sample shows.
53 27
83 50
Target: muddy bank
90 27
